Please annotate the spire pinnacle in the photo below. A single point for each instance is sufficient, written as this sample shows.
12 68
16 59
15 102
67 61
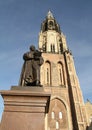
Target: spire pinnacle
50 15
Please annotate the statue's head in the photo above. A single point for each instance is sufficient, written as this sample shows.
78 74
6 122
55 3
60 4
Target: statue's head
32 48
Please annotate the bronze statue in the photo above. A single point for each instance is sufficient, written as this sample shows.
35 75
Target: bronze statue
30 75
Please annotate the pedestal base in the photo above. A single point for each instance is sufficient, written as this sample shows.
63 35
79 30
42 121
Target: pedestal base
24 110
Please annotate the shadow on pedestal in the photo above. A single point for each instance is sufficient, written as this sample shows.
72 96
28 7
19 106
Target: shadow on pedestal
24 108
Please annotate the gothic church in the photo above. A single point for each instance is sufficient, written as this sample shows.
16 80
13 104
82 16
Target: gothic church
58 74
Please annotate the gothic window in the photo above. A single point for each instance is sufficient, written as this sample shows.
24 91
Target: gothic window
52 48
51 41
51 23
60 115
52 115
45 28
61 47
57 125
57 116
60 74
60 44
47 73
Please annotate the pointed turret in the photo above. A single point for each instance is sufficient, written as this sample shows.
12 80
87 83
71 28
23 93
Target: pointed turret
50 23
50 15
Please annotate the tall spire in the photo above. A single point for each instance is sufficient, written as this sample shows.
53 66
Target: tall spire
50 23
50 15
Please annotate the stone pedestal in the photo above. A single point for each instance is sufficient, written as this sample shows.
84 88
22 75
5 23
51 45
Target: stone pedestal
24 109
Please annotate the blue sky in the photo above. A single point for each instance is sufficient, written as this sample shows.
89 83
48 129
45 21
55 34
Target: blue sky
20 22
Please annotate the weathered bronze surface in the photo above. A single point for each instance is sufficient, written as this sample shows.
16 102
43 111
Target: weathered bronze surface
30 75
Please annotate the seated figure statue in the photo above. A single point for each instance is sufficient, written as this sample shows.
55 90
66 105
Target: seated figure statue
30 75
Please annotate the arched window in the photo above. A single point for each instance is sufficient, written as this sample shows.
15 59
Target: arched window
57 116
51 23
51 40
61 47
60 115
57 125
47 73
52 115
52 48
61 74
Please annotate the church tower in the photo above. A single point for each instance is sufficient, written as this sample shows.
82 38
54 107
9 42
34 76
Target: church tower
58 74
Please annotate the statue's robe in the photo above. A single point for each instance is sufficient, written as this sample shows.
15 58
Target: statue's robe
30 74
27 73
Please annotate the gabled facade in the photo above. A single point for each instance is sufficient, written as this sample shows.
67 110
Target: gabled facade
58 74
